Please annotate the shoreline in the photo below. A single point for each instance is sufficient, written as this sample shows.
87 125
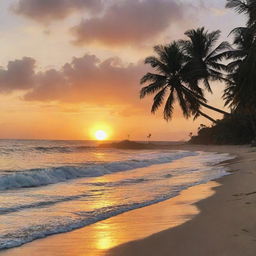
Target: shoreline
144 245
99 238
225 224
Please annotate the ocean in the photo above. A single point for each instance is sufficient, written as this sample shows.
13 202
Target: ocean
50 187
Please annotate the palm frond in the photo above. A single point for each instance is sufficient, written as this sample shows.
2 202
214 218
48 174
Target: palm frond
168 109
233 66
217 53
207 85
150 77
152 88
158 100
217 66
239 6
211 39
156 64
182 103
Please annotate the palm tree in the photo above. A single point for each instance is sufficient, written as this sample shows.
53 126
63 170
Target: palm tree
203 58
243 42
247 7
240 93
169 80
180 67
149 137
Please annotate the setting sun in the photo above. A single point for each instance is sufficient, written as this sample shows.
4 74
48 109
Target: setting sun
101 135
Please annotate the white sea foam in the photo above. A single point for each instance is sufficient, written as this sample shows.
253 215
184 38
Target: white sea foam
45 210
41 177
31 233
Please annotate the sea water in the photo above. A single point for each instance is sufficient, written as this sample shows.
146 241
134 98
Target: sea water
49 187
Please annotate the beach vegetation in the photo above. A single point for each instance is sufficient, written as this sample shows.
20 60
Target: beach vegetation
185 69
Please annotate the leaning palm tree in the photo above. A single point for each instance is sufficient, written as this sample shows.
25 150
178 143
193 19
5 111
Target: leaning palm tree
169 63
181 66
171 82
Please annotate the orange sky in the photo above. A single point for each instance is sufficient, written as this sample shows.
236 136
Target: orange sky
69 66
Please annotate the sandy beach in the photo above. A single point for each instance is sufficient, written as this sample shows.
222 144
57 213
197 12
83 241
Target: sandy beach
222 224
128 128
226 222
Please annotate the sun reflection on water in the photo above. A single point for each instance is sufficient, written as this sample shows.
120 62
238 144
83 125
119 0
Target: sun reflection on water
105 237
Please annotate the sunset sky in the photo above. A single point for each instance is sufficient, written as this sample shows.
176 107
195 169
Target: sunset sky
69 67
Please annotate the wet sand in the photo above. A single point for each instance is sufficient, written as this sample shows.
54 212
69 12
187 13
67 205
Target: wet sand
223 224
226 224
97 239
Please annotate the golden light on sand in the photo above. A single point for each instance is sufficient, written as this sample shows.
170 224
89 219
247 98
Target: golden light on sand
101 135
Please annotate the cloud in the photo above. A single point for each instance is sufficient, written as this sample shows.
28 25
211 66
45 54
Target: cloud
48 85
19 75
46 11
91 80
131 22
85 79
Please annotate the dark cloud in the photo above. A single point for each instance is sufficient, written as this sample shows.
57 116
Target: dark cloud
131 22
47 10
18 75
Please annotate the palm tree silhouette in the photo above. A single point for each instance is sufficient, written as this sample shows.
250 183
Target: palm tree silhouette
170 65
180 67
247 7
149 137
243 42
240 93
203 58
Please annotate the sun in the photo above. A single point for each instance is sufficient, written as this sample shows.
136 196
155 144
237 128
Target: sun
100 135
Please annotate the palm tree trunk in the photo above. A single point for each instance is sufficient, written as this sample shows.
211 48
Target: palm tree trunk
206 116
213 108
199 100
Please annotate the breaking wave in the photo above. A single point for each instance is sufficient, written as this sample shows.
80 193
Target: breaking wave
46 176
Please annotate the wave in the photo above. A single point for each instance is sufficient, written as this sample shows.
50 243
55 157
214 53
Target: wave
6 210
86 218
46 150
42 203
47 176
26 235
118 183
79 218
63 149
